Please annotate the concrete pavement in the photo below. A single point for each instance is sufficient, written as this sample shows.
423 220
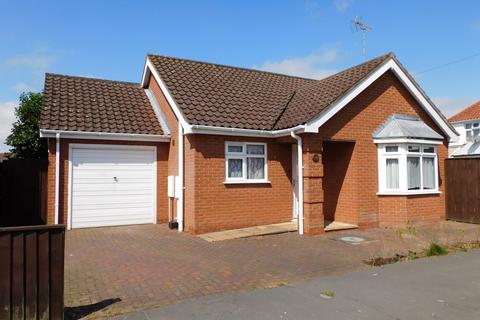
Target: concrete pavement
445 287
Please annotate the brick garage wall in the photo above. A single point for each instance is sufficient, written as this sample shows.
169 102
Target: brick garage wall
172 122
217 206
162 172
356 122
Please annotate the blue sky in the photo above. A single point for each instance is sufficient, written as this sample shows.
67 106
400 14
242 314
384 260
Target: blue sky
109 39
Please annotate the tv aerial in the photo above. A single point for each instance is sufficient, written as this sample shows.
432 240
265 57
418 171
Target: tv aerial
358 25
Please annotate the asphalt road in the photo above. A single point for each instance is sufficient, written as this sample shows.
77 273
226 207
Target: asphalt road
445 287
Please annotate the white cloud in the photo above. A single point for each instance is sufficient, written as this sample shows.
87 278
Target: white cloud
312 66
312 7
476 25
450 106
21 87
343 5
36 62
7 118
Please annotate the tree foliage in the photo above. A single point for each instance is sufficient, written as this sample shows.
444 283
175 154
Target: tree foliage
24 139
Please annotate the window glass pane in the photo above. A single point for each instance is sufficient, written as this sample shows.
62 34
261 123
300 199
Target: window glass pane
428 172
468 125
255 168
475 125
235 168
469 136
476 132
429 149
413 173
413 148
391 148
255 149
392 174
238 149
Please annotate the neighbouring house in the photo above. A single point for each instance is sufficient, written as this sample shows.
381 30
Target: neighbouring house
213 147
467 124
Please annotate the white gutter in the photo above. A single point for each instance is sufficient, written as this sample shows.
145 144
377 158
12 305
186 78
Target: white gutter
46 133
180 178
57 176
300 180
200 129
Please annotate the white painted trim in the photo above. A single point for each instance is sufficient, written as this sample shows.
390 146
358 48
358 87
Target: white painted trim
300 180
314 124
45 133
180 178
407 140
72 146
224 131
69 195
158 111
57 176
150 69
248 182
405 193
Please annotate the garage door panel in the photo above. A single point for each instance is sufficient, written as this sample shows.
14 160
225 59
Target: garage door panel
112 187
120 200
90 215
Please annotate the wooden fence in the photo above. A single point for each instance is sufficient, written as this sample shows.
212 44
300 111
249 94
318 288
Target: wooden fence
463 189
23 192
31 272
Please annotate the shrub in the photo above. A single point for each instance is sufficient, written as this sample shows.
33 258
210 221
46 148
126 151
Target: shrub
435 250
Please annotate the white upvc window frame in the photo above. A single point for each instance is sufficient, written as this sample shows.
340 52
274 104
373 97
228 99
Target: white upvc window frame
471 127
244 156
402 154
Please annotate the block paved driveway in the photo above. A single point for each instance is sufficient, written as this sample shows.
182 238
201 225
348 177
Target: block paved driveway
112 271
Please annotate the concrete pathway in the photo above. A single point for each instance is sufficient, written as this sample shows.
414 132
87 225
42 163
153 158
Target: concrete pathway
268 229
431 288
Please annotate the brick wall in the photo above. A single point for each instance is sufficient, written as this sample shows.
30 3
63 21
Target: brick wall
212 205
356 122
162 167
172 122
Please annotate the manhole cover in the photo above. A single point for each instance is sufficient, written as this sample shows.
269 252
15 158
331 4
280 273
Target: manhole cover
352 239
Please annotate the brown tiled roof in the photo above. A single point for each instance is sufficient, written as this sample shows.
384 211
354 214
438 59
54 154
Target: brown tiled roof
470 113
218 95
94 105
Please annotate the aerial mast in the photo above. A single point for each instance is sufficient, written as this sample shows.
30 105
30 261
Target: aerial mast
359 25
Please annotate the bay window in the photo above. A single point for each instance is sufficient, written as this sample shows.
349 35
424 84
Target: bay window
245 162
407 168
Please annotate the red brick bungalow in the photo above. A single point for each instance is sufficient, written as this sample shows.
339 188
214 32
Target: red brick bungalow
214 147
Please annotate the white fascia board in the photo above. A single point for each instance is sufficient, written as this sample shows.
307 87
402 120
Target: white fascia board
103 135
158 111
150 69
406 140
314 124
198 129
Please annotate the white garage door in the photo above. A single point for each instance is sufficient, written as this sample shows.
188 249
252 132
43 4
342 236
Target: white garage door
112 186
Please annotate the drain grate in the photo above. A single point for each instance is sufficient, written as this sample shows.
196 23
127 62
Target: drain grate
352 239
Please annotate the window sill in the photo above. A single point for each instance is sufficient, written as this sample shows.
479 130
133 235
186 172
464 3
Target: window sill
407 193
248 182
